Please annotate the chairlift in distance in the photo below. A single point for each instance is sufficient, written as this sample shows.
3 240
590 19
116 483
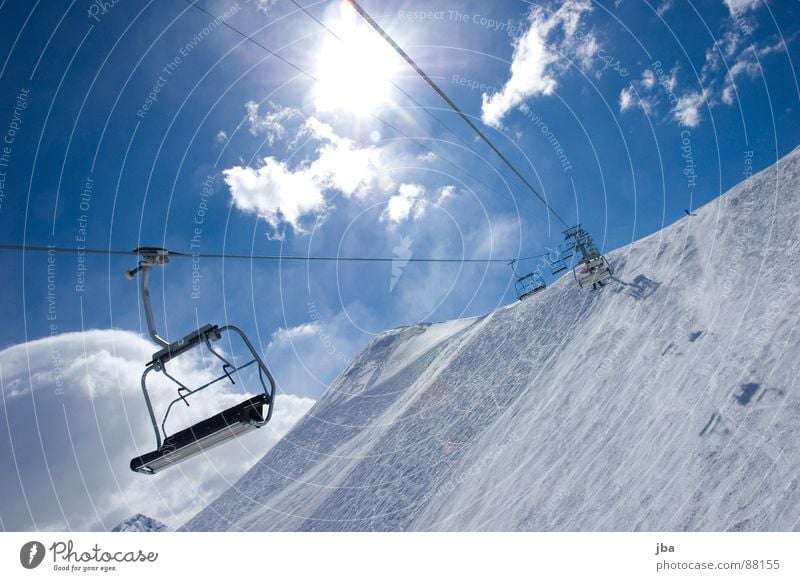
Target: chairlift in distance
593 271
226 425
592 267
527 284
557 259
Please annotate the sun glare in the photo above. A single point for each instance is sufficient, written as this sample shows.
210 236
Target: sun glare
354 74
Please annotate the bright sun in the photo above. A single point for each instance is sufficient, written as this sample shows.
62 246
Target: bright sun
354 74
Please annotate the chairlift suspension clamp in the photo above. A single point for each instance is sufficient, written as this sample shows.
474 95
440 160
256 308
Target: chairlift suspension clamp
150 256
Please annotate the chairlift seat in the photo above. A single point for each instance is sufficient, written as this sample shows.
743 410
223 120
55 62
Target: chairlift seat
204 435
531 292
528 285
594 277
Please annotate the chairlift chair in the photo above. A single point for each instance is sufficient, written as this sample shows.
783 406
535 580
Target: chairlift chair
252 413
557 260
593 268
528 284
592 271
557 266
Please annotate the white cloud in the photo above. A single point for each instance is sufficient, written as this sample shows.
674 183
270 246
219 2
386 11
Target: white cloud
640 93
289 196
284 336
265 5
724 49
221 137
729 93
407 203
539 58
626 99
445 193
648 79
664 7
748 65
272 123
318 130
731 42
343 166
670 83
75 417
779 46
410 203
739 6
584 52
687 111
719 76
276 193
429 156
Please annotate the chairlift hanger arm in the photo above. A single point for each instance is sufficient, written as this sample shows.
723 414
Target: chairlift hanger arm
151 257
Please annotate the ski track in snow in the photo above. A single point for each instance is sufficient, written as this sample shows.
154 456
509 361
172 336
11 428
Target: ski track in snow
665 401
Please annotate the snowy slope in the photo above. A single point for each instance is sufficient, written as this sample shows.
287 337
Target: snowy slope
140 523
667 401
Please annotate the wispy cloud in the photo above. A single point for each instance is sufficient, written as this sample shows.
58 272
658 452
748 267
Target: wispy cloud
271 123
664 7
734 56
642 93
688 109
265 5
540 56
748 64
627 99
740 6
286 335
445 194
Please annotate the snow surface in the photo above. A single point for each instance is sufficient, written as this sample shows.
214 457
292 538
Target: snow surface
140 523
666 401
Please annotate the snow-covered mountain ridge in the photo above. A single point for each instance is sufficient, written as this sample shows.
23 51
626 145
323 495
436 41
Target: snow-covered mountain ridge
666 401
140 523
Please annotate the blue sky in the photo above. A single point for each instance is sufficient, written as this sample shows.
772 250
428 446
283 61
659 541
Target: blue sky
153 124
